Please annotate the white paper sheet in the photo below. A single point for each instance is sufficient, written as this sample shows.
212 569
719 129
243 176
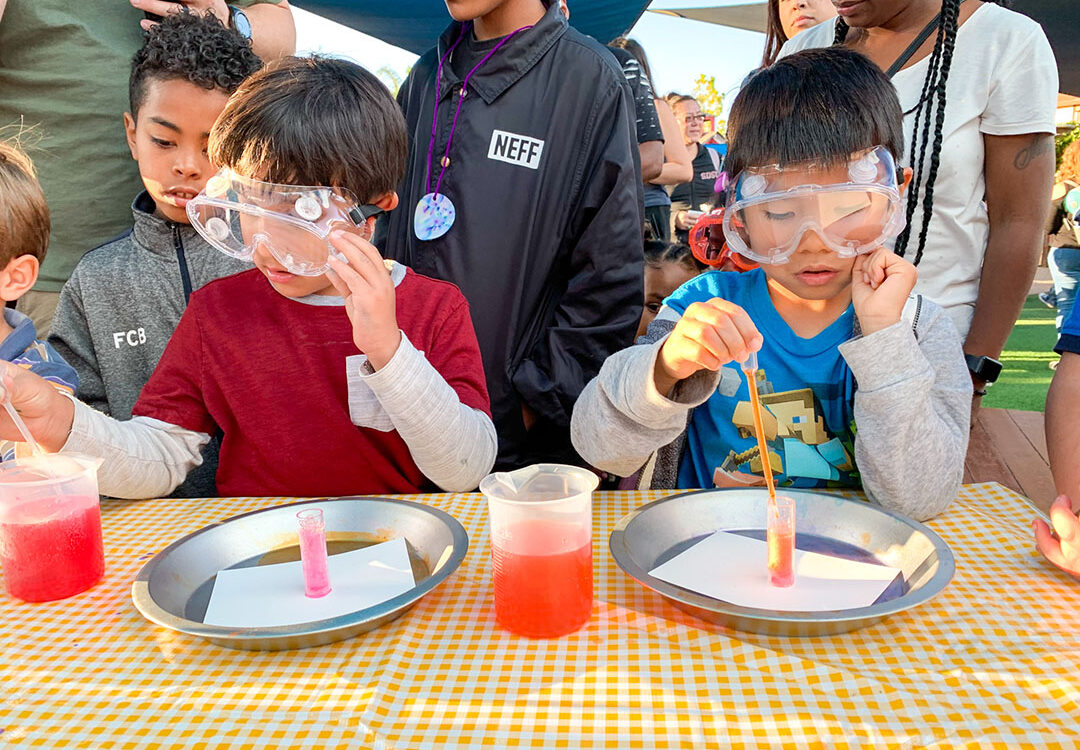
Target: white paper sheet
734 569
273 595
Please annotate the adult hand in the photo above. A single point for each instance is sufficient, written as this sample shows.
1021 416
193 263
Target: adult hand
365 283
47 414
1062 547
167 7
708 336
881 283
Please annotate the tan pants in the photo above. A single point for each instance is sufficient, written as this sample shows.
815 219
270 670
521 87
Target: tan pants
40 307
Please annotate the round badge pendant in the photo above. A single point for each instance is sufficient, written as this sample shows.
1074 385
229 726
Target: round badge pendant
434 215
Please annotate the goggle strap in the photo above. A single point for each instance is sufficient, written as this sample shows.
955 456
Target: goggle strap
360 214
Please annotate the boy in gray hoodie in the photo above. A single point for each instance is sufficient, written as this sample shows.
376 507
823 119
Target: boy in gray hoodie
125 298
861 384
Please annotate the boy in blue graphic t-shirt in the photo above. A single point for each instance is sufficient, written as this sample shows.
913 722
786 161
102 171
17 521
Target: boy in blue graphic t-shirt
862 384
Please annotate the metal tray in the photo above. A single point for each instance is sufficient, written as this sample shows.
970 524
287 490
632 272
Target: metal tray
656 532
174 586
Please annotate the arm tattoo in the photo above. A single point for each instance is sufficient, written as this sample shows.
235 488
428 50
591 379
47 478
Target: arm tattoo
1040 144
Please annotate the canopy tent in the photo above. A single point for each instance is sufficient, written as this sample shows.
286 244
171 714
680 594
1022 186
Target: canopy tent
416 24
1059 18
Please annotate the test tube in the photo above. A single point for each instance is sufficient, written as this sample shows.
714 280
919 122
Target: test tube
780 535
313 560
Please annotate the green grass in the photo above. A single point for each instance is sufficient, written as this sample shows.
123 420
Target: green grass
1025 376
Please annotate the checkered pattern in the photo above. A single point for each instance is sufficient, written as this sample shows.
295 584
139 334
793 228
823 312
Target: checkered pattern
990 661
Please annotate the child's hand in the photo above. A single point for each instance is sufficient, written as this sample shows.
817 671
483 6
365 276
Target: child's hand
707 337
1064 550
368 290
881 283
47 414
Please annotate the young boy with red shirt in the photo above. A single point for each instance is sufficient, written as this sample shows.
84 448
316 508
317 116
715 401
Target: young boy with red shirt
326 370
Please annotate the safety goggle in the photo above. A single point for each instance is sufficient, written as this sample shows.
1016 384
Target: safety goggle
769 209
708 245
236 214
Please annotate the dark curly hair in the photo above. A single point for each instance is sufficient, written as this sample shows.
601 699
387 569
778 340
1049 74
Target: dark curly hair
191 47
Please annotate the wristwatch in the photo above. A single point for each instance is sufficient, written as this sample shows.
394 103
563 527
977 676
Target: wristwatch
238 20
984 369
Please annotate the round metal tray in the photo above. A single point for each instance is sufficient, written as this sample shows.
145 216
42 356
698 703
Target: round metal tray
174 586
656 532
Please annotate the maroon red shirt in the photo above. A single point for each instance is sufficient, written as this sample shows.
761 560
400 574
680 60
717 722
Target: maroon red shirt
269 374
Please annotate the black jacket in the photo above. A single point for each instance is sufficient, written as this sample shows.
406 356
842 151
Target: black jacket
548 253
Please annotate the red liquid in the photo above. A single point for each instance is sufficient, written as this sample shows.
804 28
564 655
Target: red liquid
781 558
56 557
540 591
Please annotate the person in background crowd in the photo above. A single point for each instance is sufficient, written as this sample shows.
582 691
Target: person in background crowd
787 18
1063 234
650 139
676 162
690 199
667 267
1062 419
63 67
525 191
979 93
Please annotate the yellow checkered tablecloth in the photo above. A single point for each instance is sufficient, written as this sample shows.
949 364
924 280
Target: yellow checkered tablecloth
991 661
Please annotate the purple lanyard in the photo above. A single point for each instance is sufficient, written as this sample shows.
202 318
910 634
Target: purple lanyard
457 111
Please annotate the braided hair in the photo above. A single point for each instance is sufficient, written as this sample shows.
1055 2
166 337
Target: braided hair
930 108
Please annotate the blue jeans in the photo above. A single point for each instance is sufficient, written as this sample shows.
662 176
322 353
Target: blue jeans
1064 265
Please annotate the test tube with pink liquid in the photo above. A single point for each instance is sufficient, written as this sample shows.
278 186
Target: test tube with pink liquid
780 537
313 558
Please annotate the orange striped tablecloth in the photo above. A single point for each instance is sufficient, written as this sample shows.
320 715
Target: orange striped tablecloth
991 661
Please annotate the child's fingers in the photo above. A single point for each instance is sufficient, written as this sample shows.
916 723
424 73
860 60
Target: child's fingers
361 255
341 287
732 319
1047 544
354 282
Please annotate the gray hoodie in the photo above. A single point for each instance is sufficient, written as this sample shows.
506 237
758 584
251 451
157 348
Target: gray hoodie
121 305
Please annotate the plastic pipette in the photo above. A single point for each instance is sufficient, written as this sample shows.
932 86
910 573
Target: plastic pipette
27 437
749 367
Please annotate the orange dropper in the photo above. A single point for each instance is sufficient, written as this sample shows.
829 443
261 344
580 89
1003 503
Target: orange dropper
749 367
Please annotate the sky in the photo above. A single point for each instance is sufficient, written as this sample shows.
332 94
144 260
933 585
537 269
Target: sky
679 50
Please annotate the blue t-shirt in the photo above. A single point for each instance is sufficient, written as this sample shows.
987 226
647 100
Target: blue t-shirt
1069 340
806 387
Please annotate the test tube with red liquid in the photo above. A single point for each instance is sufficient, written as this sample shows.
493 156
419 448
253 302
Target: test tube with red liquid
313 559
780 536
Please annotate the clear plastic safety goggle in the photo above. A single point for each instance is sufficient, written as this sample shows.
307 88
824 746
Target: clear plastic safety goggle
237 214
770 209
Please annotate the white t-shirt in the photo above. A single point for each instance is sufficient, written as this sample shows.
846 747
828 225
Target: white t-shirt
1003 81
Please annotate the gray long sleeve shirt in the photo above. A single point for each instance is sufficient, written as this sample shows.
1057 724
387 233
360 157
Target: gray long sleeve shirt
912 410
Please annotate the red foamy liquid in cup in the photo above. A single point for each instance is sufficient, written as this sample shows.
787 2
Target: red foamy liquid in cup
781 558
542 591
55 557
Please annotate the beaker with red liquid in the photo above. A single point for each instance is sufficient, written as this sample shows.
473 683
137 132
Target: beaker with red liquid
50 526
541 548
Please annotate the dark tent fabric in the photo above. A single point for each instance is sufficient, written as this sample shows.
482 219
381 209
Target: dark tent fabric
416 24
1061 21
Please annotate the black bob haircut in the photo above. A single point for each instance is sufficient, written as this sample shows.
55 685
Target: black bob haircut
818 105
191 47
314 121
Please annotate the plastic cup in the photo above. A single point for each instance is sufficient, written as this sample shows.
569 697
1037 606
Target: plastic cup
313 560
541 548
50 526
780 536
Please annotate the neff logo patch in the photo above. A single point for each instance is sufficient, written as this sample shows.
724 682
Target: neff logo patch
515 149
